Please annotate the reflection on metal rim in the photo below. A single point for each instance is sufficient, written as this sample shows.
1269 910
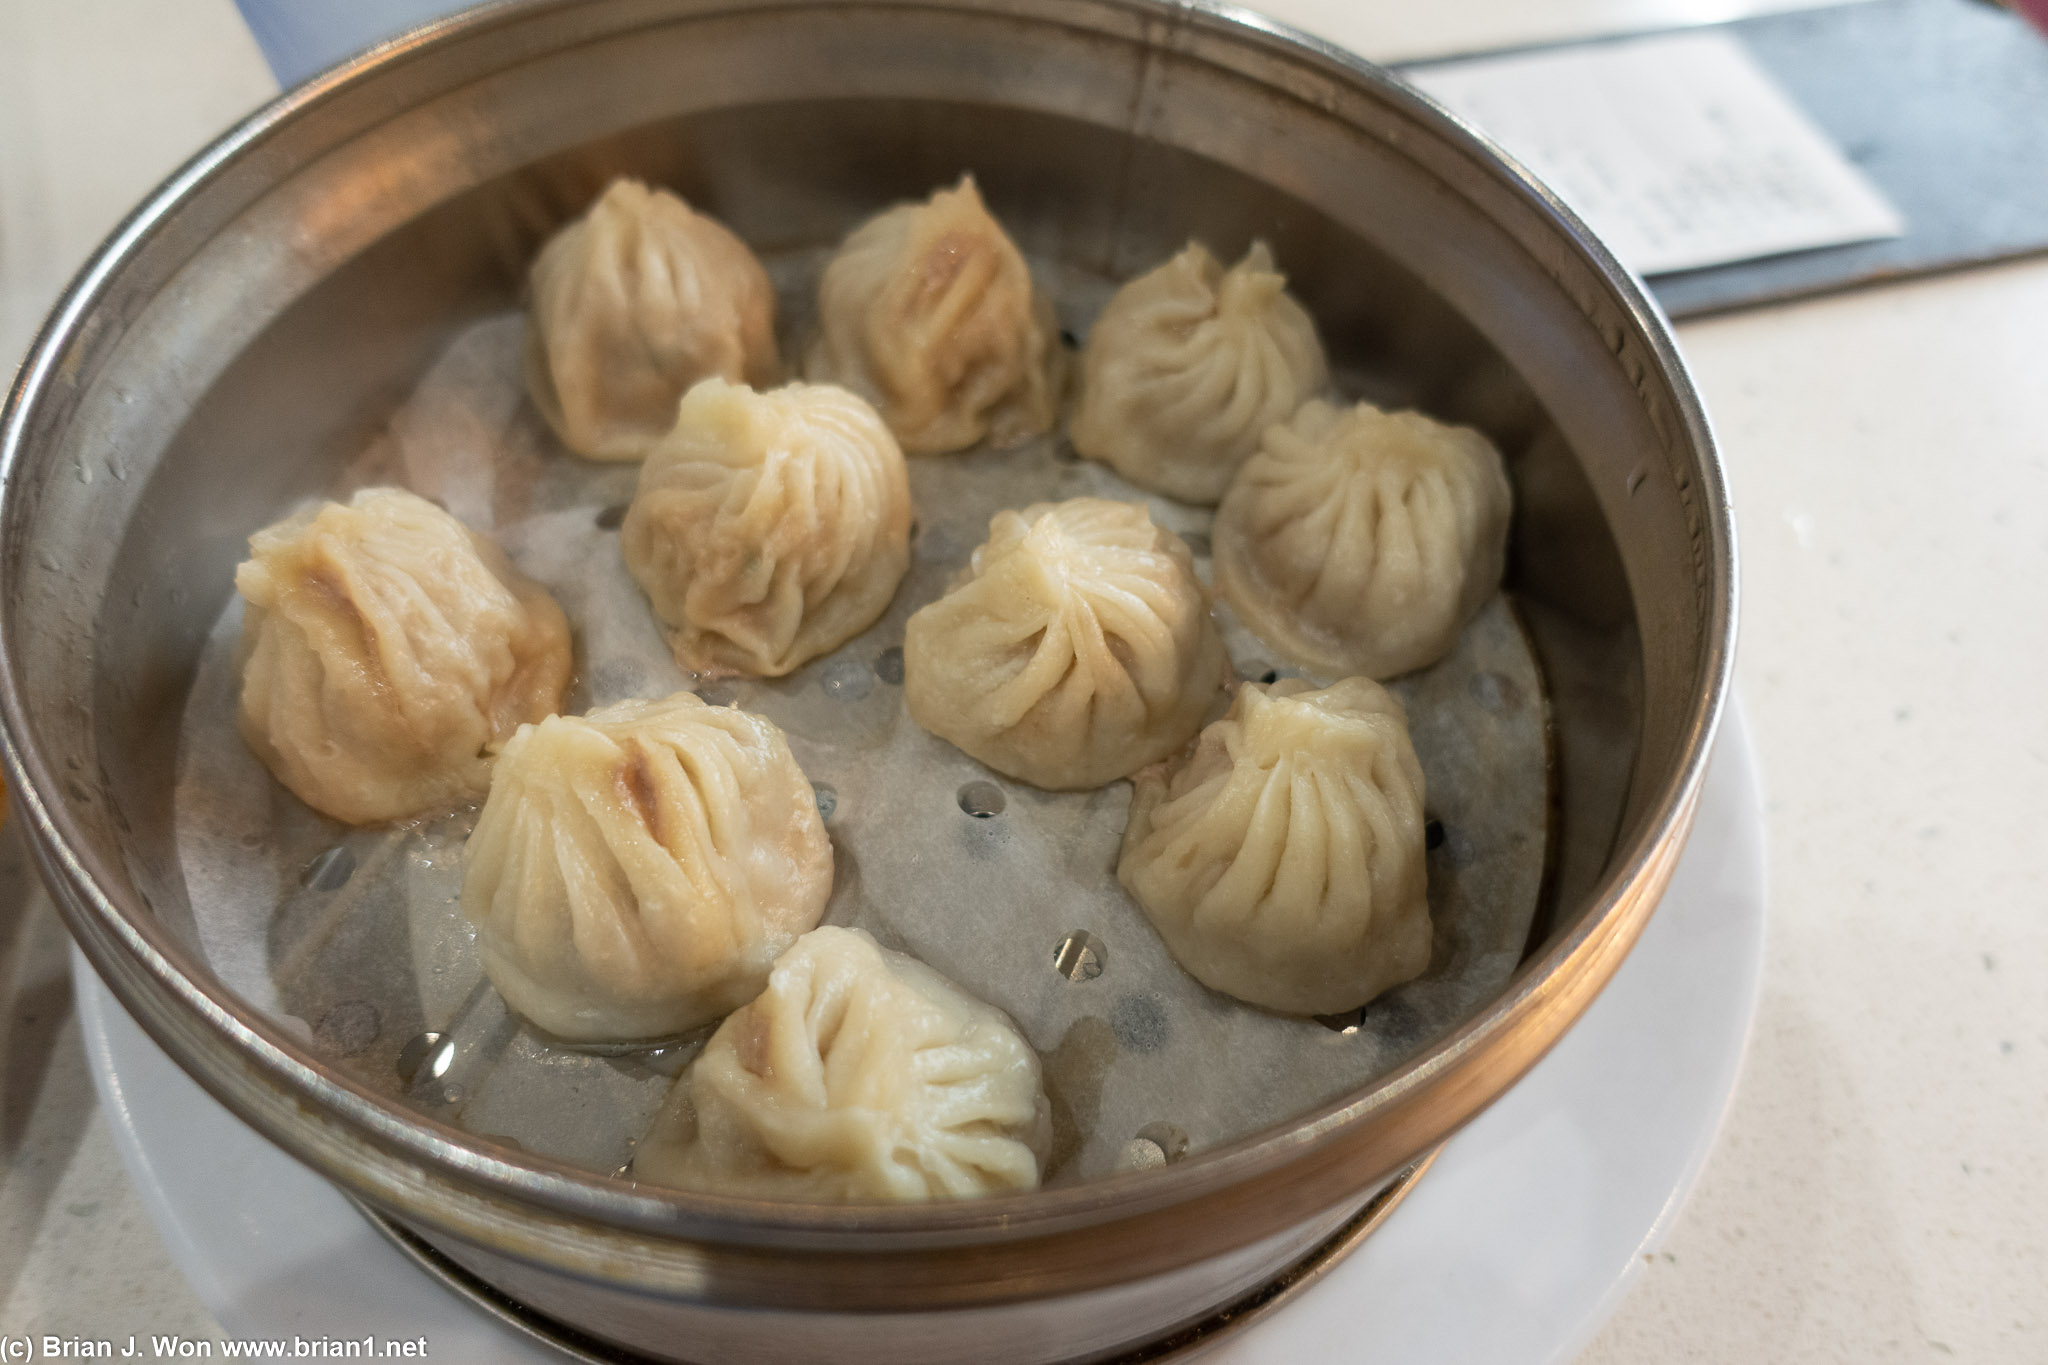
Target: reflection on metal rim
1183 1343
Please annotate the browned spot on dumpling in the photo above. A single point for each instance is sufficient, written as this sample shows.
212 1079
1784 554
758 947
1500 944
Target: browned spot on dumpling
323 584
943 262
636 780
750 1043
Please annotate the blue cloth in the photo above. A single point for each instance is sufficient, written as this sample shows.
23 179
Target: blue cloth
300 38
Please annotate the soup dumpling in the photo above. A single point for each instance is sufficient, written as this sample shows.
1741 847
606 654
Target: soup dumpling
1362 541
1282 858
632 304
769 527
929 312
1076 648
636 870
858 1074
387 652
1188 365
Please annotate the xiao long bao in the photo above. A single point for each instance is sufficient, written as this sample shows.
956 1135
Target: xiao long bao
1282 858
1362 541
632 304
929 312
769 527
859 1074
1188 365
1077 647
635 871
388 651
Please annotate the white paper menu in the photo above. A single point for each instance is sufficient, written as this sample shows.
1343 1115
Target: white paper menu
1390 31
1678 150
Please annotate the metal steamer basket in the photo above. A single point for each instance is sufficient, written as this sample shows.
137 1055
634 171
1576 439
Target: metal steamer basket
251 327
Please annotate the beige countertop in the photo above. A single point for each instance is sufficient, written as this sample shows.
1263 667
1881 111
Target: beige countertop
1878 1192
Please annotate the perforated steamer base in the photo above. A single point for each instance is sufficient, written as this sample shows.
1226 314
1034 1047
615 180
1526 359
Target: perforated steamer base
354 939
